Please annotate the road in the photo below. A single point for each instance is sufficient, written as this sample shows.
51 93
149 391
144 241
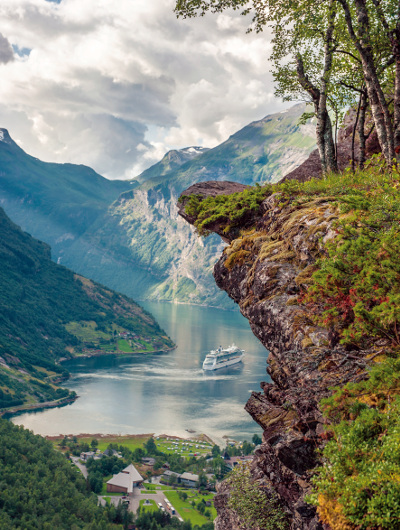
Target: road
80 466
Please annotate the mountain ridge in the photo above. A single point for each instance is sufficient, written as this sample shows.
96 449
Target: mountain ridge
129 235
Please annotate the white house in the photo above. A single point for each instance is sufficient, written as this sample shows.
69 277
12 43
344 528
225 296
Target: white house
125 481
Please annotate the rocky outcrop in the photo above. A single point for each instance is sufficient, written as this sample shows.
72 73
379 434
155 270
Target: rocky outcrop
264 271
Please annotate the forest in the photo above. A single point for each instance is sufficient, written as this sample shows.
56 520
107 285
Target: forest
40 488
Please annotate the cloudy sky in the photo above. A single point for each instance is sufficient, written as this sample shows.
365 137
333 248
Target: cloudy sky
114 84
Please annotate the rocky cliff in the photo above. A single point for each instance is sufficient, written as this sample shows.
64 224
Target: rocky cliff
263 271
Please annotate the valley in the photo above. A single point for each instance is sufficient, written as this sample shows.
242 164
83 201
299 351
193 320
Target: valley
127 234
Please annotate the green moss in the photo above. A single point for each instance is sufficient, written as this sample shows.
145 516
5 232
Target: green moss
229 209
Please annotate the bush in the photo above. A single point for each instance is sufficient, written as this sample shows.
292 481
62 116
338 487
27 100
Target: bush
254 506
359 484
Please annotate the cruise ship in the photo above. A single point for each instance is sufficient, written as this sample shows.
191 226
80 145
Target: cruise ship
223 357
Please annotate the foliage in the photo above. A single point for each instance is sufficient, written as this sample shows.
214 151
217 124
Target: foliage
256 508
234 210
356 289
325 51
39 488
359 484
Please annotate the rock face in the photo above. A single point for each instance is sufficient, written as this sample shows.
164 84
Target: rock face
263 271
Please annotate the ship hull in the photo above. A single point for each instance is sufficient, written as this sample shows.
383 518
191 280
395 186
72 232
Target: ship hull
216 366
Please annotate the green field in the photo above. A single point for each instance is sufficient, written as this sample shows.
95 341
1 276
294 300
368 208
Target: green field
152 507
135 441
186 510
184 447
123 345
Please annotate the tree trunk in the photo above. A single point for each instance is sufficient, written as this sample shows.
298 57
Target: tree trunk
396 103
325 141
361 130
379 107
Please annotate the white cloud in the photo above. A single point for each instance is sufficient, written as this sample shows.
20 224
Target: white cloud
98 78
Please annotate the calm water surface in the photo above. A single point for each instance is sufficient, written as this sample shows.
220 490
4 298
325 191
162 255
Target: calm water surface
167 393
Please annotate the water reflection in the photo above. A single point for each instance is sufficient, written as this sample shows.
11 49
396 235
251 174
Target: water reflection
167 393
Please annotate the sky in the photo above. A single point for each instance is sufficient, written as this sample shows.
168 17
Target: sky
115 84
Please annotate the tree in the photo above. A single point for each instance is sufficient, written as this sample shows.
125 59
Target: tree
215 451
93 444
309 41
203 481
150 446
256 439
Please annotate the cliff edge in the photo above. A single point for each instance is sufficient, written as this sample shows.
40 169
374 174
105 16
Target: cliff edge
265 268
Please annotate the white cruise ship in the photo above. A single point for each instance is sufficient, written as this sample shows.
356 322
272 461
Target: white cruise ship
223 357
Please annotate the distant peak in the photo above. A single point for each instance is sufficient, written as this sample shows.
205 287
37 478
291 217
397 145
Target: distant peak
5 137
194 149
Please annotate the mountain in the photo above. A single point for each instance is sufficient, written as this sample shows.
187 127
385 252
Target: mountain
170 161
143 245
48 313
128 235
54 202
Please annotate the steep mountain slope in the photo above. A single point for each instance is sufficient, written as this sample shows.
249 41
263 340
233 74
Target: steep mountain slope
47 313
54 202
170 162
142 244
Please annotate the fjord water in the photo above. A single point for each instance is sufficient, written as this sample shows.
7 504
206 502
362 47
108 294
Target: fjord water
164 393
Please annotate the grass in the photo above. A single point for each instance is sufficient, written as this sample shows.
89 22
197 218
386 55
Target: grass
86 331
152 507
131 441
124 346
186 510
136 441
149 487
166 446
104 487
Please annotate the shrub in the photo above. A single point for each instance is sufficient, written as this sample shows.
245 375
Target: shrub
254 506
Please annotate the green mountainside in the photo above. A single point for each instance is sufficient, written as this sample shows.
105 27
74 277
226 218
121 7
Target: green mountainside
54 202
40 489
128 235
48 313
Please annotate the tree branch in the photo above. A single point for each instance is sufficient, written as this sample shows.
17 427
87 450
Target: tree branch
351 55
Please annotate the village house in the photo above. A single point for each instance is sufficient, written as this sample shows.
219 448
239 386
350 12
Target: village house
125 481
149 461
188 479
166 477
86 455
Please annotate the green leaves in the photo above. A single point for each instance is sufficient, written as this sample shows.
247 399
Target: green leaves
255 507
361 475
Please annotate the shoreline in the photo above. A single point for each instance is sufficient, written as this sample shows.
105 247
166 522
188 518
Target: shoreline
102 353
28 407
